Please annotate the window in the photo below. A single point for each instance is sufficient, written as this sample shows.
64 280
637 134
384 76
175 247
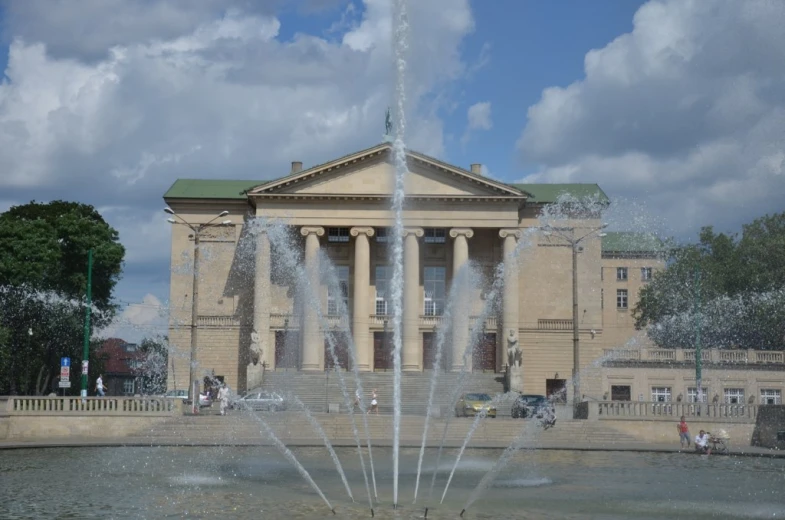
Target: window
382 235
383 275
734 395
128 386
770 396
621 298
645 274
338 234
692 394
434 290
621 274
435 236
342 272
661 394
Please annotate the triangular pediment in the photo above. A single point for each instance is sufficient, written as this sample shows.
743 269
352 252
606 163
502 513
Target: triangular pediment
370 173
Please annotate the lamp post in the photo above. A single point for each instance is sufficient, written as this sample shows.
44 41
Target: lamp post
568 235
197 230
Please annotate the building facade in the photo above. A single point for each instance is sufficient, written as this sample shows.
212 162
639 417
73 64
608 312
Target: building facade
249 320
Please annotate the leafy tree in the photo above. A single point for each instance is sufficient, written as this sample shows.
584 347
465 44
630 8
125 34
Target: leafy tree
741 290
43 279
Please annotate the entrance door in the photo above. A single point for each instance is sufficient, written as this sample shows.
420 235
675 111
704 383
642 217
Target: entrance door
287 349
382 351
621 393
341 351
484 354
429 352
556 389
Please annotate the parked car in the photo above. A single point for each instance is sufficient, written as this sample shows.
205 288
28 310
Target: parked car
204 399
473 403
260 401
530 405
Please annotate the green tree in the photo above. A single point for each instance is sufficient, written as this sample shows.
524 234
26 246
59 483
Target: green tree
43 278
742 290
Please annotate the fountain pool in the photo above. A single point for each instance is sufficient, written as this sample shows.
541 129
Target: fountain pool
257 482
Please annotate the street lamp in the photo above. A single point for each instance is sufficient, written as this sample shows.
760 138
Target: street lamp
197 230
568 235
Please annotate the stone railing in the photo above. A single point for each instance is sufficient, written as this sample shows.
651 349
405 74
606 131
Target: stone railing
430 321
143 406
218 321
283 320
655 355
669 411
554 324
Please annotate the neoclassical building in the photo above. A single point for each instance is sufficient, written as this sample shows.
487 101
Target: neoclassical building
452 216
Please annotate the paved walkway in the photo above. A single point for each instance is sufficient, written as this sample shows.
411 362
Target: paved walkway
746 451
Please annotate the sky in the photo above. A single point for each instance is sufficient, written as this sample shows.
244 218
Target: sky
676 108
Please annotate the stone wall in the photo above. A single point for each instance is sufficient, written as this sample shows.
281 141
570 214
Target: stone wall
770 427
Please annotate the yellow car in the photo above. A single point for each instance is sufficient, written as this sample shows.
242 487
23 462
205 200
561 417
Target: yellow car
470 405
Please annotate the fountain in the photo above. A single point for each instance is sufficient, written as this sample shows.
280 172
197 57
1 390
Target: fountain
242 481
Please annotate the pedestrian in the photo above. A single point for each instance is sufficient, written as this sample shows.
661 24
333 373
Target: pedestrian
357 399
684 432
374 402
99 386
223 396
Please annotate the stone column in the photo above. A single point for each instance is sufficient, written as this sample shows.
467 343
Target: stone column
259 347
412 343
313 341
362 282
462 307
510 297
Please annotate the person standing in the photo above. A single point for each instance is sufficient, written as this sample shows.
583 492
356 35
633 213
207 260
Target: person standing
374 402
684 432
99 386
223 396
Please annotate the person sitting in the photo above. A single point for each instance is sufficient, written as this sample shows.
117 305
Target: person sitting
702 443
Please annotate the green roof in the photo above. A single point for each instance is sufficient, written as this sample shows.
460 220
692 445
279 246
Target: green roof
548 193
210 189
632 242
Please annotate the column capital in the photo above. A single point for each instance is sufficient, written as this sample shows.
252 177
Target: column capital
514 232
362 230
416 231
466 232
312 230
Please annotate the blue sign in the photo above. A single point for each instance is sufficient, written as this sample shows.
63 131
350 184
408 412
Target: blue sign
65 362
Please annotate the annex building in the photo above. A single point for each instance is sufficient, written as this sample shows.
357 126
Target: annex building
248 319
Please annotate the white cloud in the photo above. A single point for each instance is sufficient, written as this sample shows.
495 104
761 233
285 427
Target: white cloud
138 320
479 118
111 102
686 111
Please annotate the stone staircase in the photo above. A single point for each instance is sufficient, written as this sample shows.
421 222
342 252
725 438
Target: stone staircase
318 390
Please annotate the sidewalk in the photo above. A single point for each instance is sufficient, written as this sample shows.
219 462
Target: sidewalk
746 451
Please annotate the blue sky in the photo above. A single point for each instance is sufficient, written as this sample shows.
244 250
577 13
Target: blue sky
673 106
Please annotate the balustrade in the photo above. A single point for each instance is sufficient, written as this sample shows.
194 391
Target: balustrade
643 410
154 406
688 355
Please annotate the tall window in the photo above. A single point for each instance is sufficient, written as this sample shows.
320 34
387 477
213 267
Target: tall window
621 298
621 274
434 281
692 394
128 386
770 396
342 271
661 394
734 395
338 234
645 274
383 275
435 235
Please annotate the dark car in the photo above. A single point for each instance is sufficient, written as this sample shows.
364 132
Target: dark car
529 405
